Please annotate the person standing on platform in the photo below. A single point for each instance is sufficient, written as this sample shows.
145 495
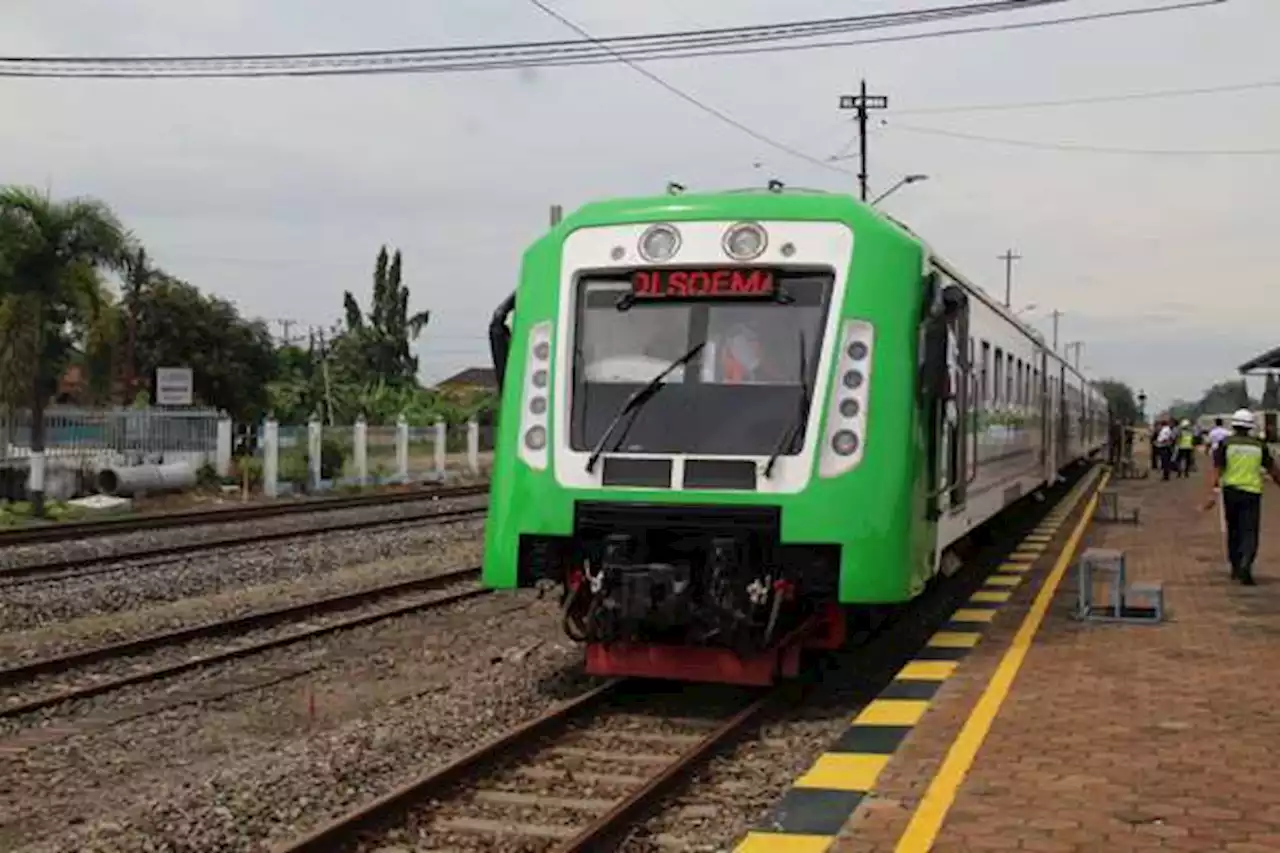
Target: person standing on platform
1186 445
1164 447
1216 435
1239 462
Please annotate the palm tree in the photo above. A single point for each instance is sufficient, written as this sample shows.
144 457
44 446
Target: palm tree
49 254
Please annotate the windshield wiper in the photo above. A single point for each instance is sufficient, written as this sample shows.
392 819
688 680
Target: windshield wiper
635 401
793 429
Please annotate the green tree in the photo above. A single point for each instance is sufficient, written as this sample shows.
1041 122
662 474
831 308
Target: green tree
1120 399
378 345
50 252
232 359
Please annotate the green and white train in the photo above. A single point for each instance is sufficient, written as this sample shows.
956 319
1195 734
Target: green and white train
733 424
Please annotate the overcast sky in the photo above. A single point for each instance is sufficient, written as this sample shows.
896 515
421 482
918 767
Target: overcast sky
277 193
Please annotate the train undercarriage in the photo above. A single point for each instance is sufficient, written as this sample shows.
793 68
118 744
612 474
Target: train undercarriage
696 593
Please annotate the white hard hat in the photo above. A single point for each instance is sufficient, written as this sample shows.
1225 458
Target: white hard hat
1242 418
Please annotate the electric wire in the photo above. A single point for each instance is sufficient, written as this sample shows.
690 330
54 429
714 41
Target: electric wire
1095 99
699 104
564 54
1088 148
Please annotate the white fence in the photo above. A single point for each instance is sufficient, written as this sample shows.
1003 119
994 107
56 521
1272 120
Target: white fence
294 458
78 442
115 436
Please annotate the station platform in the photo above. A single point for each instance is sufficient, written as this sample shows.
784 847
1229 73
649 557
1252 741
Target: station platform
1057 735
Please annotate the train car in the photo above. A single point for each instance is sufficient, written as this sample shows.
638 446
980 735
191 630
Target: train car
736 425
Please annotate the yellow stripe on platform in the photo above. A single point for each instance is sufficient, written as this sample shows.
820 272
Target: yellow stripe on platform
990 596
768 842
892 712
954 640
973 614
926 823
844 771
1004 580
927 670
1015 567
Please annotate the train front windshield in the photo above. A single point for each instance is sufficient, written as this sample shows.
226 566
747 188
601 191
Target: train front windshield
738 396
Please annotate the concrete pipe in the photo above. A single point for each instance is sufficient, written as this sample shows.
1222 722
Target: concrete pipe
119 481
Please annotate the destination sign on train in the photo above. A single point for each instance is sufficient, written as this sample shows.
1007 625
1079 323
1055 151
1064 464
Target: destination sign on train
724 283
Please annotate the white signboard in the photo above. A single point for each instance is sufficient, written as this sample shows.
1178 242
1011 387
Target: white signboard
173 386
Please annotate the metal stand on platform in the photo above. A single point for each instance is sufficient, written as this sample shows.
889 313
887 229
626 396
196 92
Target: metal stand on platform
1141 602
1109 509
1128 469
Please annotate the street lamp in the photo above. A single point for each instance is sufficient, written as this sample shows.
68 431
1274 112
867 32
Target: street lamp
1142 406
909 179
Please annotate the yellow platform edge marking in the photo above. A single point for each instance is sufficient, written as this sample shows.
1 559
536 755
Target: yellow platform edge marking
954 640
927 670
926 823
1015 567
770 842
973 614
1004 580
843 771
991 596
892 712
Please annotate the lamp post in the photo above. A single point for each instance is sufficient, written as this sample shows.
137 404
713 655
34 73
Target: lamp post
909 179
1142 407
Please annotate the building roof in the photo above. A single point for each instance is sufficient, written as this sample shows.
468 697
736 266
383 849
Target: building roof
1269 360
481 377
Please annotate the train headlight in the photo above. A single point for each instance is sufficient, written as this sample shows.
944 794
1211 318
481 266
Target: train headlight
845 442
745 241
535 412
847 429
659 243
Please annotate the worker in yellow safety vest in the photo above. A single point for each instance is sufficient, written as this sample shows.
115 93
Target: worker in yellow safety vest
1238 465
1185 443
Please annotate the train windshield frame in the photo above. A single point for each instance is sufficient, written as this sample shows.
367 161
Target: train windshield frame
737 397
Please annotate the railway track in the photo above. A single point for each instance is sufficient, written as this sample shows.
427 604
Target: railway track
608 755
82 684
62 532
85 566
580 776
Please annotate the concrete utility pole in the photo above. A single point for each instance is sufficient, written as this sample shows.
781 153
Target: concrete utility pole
1078 346
1056 315
557 213
861 104
1008 257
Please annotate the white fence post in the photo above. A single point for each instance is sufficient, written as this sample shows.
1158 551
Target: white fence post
313 452
360 438
222 463
442 437
402 449
270 457
473 446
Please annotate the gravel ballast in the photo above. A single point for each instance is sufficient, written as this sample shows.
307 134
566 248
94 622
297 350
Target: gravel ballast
391 701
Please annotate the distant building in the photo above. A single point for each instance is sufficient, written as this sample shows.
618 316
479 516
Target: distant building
472 379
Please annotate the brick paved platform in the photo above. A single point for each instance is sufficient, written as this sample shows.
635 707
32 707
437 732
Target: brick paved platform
1113 737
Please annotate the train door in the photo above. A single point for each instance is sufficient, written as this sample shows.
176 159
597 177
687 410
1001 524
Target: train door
1042 403
1064 418
946 374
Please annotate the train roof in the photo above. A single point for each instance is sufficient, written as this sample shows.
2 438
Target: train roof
748 203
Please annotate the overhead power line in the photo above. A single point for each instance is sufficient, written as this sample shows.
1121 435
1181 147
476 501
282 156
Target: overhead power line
690 99
1088 148
1096 99
730 41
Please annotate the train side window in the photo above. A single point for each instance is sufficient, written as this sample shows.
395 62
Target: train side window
1008 379
987 392
998 385
1022 383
